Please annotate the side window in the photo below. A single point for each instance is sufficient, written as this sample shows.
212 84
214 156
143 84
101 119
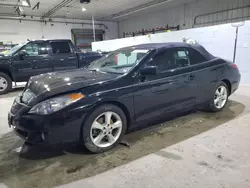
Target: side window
43 49
35 49
181 58
60 47
31 49
181 54
195 57
170 59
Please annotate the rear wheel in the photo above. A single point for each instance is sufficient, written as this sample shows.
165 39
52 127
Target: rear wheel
5 83
219 98
104 128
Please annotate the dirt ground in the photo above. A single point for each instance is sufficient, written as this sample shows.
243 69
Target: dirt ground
44 167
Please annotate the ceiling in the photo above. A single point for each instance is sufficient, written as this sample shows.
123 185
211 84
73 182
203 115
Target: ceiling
112 10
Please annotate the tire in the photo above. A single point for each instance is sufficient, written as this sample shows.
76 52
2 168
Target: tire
5 79
216 107
98 126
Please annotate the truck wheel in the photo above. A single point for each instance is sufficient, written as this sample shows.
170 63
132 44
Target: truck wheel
5 83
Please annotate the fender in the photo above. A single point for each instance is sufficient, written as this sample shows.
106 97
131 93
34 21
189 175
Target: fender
6 67
126 109
91 103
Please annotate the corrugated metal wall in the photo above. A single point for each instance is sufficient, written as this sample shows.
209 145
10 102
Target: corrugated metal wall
195 14
221 11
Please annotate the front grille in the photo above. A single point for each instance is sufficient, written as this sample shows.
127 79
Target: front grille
15 107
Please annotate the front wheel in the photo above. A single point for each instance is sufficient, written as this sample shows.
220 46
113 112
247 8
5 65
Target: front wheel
104 128
5 83
219 98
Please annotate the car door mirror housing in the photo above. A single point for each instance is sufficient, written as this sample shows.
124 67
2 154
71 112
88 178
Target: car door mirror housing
22 53
149 70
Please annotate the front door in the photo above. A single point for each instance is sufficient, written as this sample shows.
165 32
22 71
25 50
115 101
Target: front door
172 89
33 61
44 64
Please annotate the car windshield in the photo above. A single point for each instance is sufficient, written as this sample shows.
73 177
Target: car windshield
15 49
119 62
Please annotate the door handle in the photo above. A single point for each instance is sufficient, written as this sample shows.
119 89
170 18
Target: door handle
61 59
191 77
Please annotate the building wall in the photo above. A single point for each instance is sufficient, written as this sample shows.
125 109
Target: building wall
242 53
15 32
219 40
185 14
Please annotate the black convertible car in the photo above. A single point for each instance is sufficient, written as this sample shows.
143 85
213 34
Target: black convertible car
99 104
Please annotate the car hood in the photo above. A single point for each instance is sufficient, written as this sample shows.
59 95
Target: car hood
50 84
3 57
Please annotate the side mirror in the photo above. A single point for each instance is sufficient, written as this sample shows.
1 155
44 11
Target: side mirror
149 70
22 54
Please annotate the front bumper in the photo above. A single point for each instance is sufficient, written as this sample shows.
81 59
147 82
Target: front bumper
60 127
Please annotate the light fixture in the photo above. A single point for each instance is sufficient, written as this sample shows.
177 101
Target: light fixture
83 9
25 3
36 6
142 7
85 1
20 11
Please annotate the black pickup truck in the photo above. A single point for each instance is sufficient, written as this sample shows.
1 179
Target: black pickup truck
40 56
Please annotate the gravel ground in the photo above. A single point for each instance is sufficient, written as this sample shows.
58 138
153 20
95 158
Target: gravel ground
22 166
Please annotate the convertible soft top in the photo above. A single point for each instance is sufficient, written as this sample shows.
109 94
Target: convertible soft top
159 46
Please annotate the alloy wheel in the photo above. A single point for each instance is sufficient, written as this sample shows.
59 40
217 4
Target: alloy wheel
106 129
220 97
3 84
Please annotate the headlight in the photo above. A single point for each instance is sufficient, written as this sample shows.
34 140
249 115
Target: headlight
27 96
55 104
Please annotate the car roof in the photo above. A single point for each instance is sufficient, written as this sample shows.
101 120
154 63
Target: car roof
51 40
159 46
